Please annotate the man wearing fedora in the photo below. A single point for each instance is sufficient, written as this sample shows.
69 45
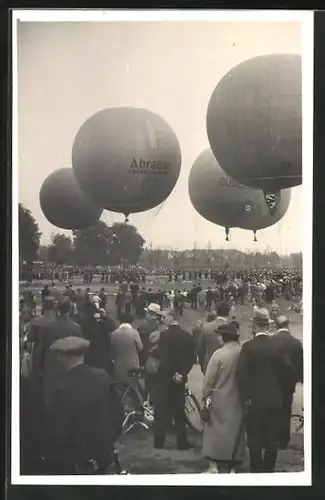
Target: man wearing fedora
291 348
262 375
87 415
153 317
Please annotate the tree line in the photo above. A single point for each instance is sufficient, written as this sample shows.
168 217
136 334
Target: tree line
218 259
121 244
100 244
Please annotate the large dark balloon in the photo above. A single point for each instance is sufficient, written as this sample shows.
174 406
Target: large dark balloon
127 159
254 122
64 204
223 201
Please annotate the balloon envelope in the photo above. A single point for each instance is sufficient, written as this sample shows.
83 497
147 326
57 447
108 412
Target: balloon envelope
64 204
221 200
254 122
126 159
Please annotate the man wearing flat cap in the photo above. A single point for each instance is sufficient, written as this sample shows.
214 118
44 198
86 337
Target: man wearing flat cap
262 375
291 349
87 415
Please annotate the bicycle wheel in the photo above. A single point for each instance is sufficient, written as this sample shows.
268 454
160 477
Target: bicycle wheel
297 423
193 412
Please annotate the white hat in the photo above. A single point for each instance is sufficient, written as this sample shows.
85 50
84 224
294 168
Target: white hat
154 308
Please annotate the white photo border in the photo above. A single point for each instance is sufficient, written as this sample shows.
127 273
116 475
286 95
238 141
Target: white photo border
306 18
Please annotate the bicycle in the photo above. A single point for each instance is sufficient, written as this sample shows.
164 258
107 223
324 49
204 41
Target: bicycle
297 422
139 410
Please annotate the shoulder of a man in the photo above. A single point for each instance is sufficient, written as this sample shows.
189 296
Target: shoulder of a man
99 374
185 333
76 328
164 333
135 332
248 345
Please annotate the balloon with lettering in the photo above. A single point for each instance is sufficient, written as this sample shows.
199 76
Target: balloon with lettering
64 204
225 202
126 159
254 123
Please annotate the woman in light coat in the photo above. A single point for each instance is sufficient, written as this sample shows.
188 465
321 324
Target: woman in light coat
224 434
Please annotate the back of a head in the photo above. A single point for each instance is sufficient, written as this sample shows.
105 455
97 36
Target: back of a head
223 310
170 316
48 304
282 322
127 318
64 307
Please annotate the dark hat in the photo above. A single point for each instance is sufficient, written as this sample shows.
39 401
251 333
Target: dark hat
237 325
282 321
228 329
223 309
211 317
71 345
170 313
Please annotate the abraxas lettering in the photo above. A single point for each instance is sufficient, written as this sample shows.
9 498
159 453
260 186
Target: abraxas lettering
154 166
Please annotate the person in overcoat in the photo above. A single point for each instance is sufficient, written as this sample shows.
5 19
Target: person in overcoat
46 367
291 348
262 375
87 415
177 356
97 329
224 433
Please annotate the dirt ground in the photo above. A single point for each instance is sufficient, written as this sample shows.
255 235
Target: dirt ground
136 448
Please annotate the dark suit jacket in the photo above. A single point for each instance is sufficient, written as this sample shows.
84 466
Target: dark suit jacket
99 353
37 326
262 374
291 348
87 418
176 352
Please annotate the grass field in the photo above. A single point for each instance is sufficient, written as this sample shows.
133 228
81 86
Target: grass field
136 448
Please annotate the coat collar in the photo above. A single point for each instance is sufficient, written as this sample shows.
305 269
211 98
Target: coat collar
283 330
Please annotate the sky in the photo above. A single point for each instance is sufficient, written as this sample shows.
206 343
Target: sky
69 71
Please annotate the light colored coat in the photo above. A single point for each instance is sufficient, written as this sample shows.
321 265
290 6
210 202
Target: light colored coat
226 412
126 344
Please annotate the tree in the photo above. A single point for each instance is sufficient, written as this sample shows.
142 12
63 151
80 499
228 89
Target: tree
126 244
43 253
91 245
60 251
296 259
29 236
